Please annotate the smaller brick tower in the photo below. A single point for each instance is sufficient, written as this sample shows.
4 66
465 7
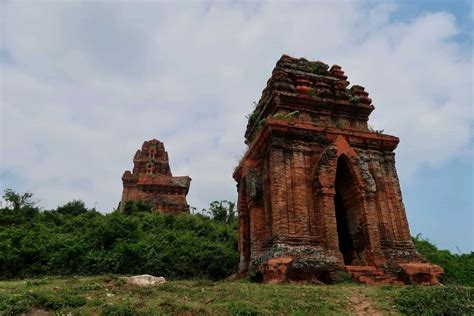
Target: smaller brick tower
151 181
318 189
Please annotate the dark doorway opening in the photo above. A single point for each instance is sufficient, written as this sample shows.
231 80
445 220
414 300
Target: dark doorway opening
343 185
346 246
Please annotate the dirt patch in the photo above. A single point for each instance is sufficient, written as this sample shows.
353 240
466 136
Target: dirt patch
39 312
359 304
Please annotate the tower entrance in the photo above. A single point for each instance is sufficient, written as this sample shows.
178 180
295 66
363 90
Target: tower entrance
348 206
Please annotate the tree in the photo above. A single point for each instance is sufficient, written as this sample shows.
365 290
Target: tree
18 201
74 208
222 211
133 207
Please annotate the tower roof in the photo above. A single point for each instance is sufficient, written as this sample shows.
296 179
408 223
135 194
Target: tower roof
298 83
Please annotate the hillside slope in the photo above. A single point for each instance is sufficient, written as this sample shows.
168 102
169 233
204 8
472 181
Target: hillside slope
109 295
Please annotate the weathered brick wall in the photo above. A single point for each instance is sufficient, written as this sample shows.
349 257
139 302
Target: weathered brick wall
317 189
152 181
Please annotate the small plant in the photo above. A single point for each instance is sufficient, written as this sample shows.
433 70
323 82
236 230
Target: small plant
56 300
325 93
91 287
286 116
340 124
354 100
279 115
261 123
376 131
36 282
317 68
242 309
121 310
293 114
314 68
252 117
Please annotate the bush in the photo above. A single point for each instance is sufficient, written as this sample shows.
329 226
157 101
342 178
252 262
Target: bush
75 240
72 208
134 207
14 304
20 303
458 269
56 301
436 300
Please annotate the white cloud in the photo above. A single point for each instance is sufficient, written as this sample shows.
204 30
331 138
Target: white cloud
85 84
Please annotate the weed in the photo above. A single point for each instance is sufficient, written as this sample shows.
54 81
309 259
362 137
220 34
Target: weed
143 291
260 124
117 310
286 116
354 100
376 131
90 287
339 124
57 300
241 308
37 282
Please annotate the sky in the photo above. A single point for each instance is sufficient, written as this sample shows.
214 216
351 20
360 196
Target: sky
83 84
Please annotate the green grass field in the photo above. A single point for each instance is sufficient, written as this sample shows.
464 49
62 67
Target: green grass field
109 295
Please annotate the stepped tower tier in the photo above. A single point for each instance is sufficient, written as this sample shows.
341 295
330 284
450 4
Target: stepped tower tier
318 189
151 181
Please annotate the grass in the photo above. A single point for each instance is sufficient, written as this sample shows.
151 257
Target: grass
109 295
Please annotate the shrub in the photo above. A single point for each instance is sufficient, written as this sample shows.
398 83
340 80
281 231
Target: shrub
73 208
133 207
87 242
458 268
14 304
436 300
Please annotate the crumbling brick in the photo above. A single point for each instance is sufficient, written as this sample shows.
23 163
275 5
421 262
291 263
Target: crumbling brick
318 189
151 181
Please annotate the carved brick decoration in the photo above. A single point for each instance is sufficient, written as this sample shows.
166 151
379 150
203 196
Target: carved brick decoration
318 189
151 181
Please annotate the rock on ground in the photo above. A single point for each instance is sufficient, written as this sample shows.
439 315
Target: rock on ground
145 280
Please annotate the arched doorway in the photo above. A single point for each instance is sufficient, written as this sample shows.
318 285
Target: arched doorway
348 206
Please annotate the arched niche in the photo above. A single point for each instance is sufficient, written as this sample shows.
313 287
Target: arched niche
343 207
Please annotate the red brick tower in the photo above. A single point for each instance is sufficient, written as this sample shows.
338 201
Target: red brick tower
318 189
151 181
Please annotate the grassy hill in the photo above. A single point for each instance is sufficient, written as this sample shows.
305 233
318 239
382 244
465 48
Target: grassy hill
109 295
195 252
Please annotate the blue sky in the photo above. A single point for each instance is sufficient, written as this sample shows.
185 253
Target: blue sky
83 84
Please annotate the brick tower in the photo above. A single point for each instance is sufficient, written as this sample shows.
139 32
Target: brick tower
318 189
151 181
